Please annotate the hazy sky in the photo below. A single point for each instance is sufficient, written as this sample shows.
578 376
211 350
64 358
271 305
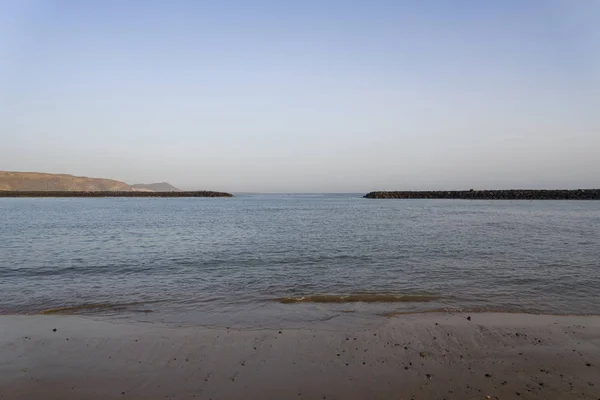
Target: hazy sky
304 96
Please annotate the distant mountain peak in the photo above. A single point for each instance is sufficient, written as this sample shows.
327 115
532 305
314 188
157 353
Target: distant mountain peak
156 187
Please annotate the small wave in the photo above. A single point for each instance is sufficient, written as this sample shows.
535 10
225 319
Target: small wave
92 307
391 314
357 298
463 310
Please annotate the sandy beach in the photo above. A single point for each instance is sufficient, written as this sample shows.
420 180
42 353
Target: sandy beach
418 356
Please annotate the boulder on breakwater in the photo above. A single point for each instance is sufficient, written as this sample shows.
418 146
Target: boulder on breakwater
513 194
10 193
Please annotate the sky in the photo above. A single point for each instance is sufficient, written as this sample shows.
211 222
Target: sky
304 96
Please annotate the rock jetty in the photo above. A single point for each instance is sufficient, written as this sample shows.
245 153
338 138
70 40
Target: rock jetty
513 194
10 193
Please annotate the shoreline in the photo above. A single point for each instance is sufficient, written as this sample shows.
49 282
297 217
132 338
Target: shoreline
281 313
97 310
420 356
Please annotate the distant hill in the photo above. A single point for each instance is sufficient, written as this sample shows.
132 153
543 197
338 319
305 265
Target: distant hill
156 187
36 181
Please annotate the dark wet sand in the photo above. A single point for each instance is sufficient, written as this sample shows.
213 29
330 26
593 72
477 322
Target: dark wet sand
421 356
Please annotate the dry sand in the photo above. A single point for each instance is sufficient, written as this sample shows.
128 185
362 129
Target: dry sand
423 356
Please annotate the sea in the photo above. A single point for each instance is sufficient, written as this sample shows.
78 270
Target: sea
290 260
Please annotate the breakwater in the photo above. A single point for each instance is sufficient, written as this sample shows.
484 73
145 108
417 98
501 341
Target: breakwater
514 194
8 193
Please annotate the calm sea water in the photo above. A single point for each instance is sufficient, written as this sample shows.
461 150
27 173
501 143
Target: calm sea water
228 261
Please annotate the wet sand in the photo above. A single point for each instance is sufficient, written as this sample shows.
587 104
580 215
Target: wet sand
419 356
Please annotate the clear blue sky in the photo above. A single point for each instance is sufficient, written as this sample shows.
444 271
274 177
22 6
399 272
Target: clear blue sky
304 96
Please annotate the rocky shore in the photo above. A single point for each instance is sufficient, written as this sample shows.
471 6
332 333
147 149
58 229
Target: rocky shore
514 194
8 193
